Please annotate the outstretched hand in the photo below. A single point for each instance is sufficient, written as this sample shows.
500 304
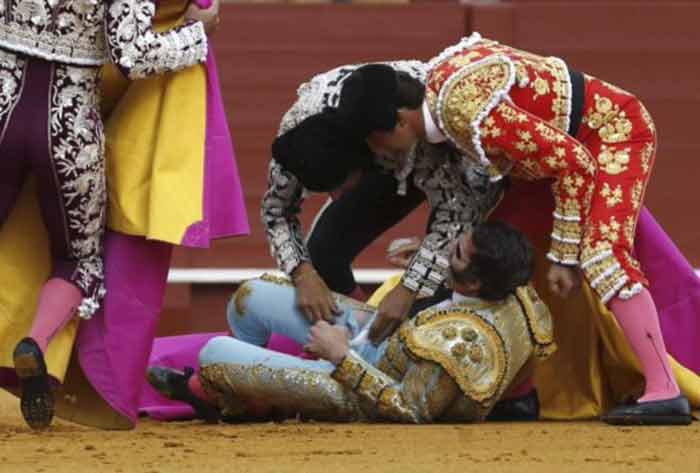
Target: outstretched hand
314 298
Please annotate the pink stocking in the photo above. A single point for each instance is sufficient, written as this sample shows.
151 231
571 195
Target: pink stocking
58 301
196 388
639 321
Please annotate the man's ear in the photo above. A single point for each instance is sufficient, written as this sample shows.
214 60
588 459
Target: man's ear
401 117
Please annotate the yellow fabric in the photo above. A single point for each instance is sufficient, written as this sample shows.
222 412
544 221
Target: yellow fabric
153 126
594 367
157 127
24 267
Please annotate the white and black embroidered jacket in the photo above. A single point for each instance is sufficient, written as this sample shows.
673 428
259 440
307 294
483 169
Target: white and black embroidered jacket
460 193
93 32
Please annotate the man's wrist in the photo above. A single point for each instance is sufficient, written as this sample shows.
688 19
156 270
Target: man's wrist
301 271
407 292
338 357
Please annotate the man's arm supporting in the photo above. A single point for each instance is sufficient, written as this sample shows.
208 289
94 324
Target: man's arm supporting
423 395
281 206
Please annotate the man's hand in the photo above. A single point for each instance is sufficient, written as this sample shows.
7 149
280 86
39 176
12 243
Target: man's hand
400 251
563 280
313 296
208 16
392 311
328 342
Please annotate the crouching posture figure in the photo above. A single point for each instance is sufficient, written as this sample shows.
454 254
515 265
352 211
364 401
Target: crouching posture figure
451 362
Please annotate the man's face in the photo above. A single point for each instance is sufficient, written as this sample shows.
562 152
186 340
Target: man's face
460 257
394 145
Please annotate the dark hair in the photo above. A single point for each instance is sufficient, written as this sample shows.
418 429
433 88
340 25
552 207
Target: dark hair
502 261
319 154
410 91
367 100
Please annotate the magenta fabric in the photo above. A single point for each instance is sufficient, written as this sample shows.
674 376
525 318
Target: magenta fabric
224 207
114 345
181 351
675 288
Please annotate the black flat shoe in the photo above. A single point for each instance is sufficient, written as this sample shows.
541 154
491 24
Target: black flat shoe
37 403
674 411
520 409
173 385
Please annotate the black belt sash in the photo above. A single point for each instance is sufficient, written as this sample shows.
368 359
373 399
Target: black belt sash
578 90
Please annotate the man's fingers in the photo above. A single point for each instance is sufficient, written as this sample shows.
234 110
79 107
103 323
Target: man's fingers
568 285
310 312
325 311
306 310
336 307
315 314
333 305
554 287
562 288
567 290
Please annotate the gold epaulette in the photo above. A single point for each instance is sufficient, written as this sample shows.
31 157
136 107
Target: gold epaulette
460 99
539 321
467 347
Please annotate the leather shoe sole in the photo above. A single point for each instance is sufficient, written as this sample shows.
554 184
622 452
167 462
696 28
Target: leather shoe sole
37 402
674 411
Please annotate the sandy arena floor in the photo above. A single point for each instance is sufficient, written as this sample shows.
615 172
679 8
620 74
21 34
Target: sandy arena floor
313 447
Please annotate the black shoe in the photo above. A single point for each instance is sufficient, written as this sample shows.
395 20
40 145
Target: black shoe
520 409
37 403
173 385
674 411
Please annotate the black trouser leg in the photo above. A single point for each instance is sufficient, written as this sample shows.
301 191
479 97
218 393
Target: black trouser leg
352 222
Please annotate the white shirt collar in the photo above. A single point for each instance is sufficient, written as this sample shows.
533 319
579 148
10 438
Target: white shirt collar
432 132
459 298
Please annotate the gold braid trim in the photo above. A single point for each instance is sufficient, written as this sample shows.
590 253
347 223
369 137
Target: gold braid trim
468 96
279 280
467 347
539 321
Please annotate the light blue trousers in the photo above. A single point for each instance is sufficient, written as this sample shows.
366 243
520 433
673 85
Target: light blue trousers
269 308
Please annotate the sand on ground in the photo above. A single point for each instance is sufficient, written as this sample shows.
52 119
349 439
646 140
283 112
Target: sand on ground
193 447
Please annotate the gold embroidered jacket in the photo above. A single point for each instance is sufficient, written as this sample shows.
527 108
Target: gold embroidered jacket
451 364
93 32
510 109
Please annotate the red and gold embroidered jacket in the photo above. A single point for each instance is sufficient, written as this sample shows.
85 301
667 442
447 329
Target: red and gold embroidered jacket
511 109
